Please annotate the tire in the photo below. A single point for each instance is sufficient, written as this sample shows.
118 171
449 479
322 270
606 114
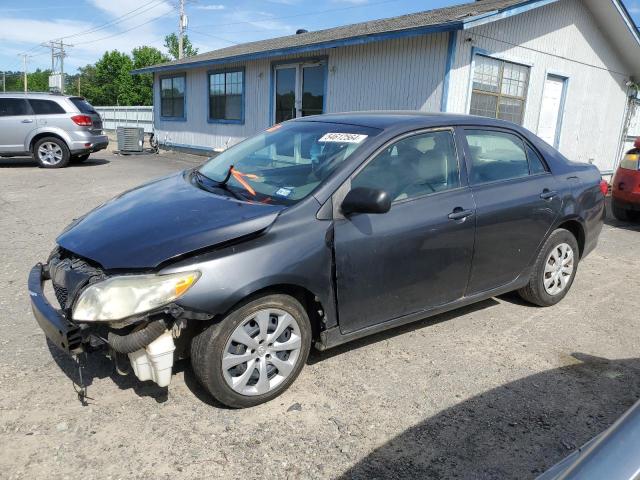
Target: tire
535 291
80 158
209 347
59 153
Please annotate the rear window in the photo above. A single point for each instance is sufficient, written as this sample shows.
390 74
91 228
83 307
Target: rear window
45 107
82 105
631 160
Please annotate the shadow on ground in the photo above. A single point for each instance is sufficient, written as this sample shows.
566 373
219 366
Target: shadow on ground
517 430
28 162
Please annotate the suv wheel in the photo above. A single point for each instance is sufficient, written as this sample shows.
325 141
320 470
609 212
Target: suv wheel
51 152
554 270
79 158
255 353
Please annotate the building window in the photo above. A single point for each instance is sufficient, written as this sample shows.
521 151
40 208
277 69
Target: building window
226 94
499 89
172 91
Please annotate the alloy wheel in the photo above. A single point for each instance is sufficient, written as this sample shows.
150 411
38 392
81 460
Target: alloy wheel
50 153
558 269
261 352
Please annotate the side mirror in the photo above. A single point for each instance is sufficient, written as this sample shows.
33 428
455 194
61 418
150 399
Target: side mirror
366 200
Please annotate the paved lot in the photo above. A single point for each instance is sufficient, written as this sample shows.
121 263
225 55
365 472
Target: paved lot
497 390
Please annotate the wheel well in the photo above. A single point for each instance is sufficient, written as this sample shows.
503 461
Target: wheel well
577 230
43 135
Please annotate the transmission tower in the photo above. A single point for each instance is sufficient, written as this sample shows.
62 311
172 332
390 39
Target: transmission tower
58 53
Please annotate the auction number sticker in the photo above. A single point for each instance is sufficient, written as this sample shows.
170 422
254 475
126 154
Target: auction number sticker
343 138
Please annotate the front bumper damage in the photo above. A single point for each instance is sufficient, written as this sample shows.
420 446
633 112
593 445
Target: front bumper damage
150 354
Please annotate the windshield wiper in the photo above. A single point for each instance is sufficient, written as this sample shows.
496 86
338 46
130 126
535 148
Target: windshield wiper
203 182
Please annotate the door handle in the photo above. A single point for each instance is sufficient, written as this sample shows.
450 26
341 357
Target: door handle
27 120
460 214
548 194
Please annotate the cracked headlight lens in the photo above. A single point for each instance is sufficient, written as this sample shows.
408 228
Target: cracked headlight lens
120 297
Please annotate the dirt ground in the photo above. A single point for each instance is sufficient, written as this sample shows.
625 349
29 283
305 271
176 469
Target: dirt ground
496 390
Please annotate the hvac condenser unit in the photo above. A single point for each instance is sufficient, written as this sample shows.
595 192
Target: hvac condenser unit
130 139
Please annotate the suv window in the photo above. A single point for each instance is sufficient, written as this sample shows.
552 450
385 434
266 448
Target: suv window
414 166
13 106
496 156
82 105
45 107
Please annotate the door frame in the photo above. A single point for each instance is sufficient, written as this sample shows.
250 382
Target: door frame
299 64
561 108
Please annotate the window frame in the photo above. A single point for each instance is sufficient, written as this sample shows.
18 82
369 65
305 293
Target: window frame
477 52
462 179
174 118
525 142
242 100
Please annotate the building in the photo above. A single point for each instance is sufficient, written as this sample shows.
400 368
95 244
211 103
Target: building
564 69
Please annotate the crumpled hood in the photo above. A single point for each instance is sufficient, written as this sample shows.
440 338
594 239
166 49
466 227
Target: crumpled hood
153 223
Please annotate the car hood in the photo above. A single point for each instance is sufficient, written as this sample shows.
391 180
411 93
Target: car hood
156 222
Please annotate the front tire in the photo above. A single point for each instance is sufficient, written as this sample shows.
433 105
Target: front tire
554 270
255 353
51 152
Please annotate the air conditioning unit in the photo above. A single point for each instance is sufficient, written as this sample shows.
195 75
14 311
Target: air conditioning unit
130 139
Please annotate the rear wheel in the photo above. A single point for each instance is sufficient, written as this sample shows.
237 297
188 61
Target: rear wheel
80 158
620 212
51 152
554 270
255 353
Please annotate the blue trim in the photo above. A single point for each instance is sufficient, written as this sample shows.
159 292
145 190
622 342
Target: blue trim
182 118
295 63
490 17
359 40
242 106
451 55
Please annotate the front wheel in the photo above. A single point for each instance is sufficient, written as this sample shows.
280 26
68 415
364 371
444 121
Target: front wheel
554 270
255 353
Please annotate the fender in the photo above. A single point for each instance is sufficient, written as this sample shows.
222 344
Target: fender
48 130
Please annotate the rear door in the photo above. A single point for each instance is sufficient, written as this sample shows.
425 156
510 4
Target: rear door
417 255
16 123
517 202
51 114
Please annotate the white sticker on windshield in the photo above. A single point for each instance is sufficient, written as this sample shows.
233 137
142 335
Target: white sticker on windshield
343 137
284 191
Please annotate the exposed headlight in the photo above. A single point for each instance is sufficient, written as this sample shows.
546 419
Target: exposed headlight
123 296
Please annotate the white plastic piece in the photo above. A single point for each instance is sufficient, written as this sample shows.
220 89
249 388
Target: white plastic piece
155 362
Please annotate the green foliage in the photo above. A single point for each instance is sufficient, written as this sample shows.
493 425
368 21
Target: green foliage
144 57
171 44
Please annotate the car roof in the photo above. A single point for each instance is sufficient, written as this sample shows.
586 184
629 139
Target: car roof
46 95
409 119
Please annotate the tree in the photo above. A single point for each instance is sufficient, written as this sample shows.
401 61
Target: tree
143 83
171 43
114 81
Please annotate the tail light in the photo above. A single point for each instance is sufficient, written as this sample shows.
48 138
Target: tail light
637 144
604 187
82 120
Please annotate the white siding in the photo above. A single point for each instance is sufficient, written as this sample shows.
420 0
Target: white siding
559 38
403 74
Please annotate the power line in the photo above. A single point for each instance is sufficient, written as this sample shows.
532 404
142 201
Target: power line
214 36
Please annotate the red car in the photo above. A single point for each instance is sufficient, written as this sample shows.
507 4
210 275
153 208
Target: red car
626 186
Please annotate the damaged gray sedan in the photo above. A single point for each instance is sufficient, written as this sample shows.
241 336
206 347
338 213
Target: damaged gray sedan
316 232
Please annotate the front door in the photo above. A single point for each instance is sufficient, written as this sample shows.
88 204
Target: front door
551 109
16 122
517 202
299 90
417 255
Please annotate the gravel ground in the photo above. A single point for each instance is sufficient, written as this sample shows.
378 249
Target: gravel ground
496 390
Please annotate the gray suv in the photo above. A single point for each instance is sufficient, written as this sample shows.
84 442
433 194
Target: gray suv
55 129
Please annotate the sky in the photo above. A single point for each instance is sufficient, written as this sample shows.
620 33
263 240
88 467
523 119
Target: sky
95 26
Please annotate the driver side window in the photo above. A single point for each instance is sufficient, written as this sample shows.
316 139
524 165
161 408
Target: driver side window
414 166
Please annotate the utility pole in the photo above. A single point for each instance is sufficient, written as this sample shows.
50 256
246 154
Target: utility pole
4 81
182 26
58 53
24 70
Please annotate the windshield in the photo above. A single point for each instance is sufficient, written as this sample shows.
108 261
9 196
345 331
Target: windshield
288 161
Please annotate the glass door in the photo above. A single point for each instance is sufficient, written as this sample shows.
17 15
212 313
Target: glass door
299 91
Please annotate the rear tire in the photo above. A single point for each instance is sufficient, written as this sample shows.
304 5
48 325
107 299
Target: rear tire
620 212
550 279
240 334
51 152
80 158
